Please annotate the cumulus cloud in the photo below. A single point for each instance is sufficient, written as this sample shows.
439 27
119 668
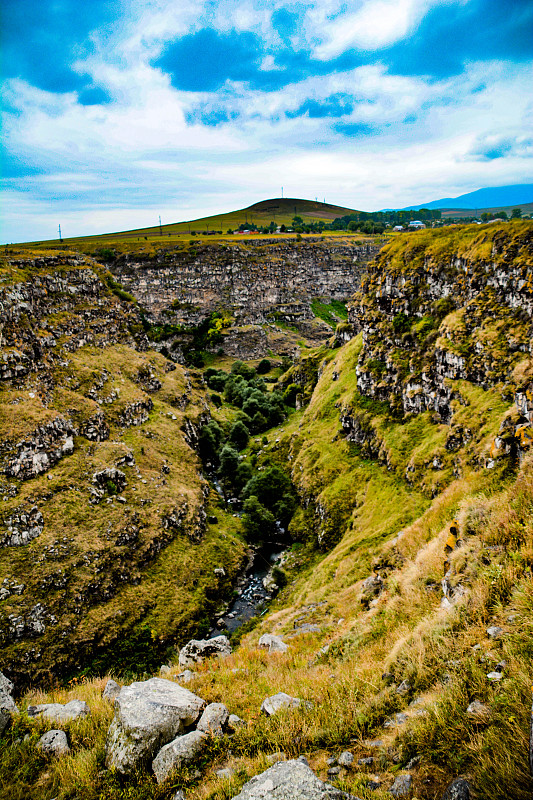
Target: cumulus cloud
200 106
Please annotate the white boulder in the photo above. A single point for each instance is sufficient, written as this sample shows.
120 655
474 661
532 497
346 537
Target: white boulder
148 714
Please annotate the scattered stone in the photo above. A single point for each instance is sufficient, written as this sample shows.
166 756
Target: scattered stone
457 790
365 762
197 650
226 773
494 632
403 688
213 719
306 627
334 771
274 644
273 758
179 795
59 712
111 690
331 761
346 759
288 780
164 669
478 711
148 715
186 676
54 743
235 722
373 743
494 676
401 786
181 750
271 705
414 762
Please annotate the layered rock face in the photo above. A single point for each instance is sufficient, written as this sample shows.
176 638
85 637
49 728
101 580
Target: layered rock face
438 310
256 281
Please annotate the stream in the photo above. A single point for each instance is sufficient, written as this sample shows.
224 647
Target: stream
252 596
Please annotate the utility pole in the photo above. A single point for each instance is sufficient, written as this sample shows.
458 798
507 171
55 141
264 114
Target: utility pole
282 192
60 239
160 228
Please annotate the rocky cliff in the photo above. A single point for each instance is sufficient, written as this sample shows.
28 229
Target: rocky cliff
254 281
100 477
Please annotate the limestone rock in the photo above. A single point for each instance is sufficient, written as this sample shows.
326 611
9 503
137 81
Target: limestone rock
54 743
181 750
274 644
235 722
186 676
213 719
148 714
346 759
7 704
288 780
457 790
59 712
478 711
5 684
401 786
271 705
494 632
197 650
111 690
226 773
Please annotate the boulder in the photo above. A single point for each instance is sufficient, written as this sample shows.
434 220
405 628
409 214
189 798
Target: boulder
457 790
274 644
494 632
214 719
271 705
402 786
180 751
288 780
111 690
60 712
197 650
54 743
148 715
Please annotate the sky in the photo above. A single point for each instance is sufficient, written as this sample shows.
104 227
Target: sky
118 111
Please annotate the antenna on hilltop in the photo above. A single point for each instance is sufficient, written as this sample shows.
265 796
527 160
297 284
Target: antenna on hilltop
160 228
282 191
60 239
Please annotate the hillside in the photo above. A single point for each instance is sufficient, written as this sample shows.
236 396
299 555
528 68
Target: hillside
278 210
397 455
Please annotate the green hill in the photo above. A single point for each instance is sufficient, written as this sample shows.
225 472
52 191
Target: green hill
278 210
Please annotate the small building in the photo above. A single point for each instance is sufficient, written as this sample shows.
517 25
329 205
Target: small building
416 224
398 228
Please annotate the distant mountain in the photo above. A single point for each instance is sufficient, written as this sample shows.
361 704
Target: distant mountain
494 196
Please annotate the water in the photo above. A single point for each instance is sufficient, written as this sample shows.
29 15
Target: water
252 595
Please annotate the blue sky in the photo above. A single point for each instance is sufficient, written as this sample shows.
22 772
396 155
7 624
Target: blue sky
117 111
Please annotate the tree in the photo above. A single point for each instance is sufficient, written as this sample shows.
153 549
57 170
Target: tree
264 366
258 522
229 464
516 213
239 435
